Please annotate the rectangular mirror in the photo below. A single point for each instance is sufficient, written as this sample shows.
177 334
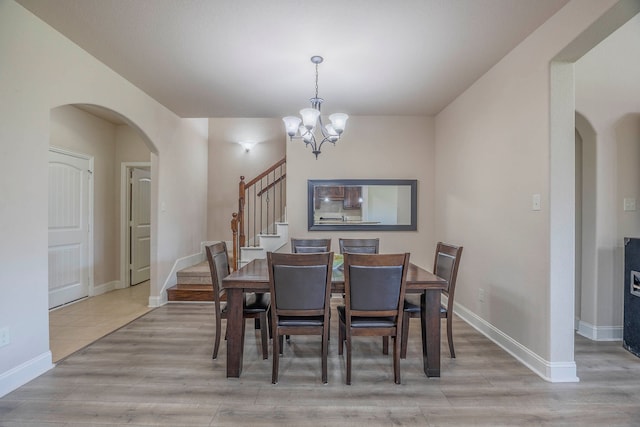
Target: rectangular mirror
362 204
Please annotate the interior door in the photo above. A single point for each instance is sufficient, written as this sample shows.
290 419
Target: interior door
140 226
69 222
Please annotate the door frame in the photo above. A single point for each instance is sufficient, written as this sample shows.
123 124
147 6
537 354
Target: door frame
125 234
90 219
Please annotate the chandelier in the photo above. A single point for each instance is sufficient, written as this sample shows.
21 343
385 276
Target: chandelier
308 130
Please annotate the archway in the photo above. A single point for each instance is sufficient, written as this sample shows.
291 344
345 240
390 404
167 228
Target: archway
109 140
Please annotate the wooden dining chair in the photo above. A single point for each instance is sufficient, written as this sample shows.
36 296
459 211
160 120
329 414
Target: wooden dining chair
305 246
256 305
445 265
359 246
300 286
375 286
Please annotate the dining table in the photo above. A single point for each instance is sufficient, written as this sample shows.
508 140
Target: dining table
254 277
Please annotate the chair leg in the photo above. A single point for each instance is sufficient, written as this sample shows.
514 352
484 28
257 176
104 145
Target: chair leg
385 345
276 358
405 335
340 338
325 345
450 336
281 340
396 359
348 340
264 334
216 345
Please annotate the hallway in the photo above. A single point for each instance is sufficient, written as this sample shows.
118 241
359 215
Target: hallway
74 326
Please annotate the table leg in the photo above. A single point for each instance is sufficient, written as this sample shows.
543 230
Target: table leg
235 332
430 323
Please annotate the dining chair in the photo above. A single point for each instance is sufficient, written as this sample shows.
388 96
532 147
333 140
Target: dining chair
300 287
255 306
363 246
359 246
445 265
374 295
303 246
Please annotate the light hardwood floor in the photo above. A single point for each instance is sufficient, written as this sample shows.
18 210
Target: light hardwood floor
157 370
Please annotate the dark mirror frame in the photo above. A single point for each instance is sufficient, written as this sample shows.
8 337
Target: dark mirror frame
312 183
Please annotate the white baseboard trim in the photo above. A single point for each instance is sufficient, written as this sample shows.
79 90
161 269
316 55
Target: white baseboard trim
555 372
600 333
22 374
106 287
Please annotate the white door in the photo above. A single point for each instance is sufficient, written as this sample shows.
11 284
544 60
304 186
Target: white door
140 225
69 222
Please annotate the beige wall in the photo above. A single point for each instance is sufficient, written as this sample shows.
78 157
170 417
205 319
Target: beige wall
228 161
371 147
493 154
608 97
42 70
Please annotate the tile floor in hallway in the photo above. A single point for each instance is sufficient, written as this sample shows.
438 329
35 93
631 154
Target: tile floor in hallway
76 325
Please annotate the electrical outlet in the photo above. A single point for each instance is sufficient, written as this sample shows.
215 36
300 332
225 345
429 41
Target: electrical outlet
5 339
535 202
629 204
481 295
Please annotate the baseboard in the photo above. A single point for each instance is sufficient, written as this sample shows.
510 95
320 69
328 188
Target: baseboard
106 287
549 371
600 333
22 374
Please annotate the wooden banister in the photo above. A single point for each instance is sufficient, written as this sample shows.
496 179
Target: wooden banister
273 184
238 225
266 172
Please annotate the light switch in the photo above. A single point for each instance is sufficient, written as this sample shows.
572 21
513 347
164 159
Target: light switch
629 204
535 205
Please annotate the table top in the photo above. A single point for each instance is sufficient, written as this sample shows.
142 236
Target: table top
255 277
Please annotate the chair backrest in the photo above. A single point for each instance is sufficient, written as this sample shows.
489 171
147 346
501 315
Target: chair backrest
445 265
218 266
359 246
300 284
308 246
375 284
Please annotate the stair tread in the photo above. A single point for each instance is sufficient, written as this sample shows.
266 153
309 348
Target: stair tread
193 286
201 269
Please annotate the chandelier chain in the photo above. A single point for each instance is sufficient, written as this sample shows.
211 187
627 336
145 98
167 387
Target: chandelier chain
316 80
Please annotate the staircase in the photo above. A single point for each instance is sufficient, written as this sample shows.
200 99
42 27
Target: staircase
194 284
261 216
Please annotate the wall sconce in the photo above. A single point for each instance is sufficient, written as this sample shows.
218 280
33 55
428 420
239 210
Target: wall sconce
247 145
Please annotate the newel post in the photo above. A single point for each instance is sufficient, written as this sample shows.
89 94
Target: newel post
234 232
241 189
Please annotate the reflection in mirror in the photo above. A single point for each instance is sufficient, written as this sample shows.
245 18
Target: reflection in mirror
362 204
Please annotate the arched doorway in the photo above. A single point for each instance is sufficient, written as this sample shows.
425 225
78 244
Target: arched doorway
110 141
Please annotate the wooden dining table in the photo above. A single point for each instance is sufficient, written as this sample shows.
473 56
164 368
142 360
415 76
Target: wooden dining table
254 277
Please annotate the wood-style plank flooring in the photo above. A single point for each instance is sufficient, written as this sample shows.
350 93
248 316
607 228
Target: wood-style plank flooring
157 370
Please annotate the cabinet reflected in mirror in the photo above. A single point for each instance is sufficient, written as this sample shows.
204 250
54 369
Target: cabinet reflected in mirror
362 204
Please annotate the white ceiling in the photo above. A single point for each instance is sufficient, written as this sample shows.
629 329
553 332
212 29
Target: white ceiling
250 58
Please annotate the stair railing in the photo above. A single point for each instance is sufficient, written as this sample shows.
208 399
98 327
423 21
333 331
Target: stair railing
261 204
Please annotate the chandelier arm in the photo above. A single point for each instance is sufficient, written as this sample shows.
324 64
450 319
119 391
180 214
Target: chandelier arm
324 132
